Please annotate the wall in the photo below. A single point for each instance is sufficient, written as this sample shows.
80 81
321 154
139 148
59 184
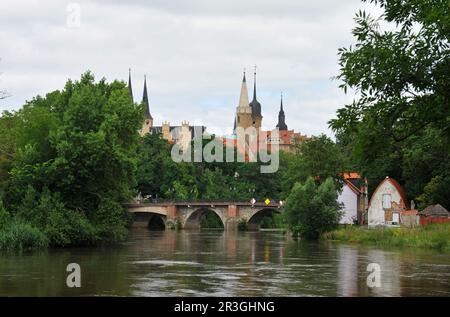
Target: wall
376 215
350 201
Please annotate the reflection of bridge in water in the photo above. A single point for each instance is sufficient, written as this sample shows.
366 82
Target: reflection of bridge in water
189 214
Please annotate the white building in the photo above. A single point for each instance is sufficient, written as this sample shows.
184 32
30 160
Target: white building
353 198
387 202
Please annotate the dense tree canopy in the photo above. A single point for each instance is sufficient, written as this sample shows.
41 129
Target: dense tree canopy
400 123
69 161
312 208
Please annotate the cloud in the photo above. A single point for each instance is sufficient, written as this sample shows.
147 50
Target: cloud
193 53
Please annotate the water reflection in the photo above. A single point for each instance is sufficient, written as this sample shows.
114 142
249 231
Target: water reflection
220 263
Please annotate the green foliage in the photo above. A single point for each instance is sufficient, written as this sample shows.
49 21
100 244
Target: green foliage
74 161
211 221
399 126
435 236
242 225
436 191
159 176
4 215
319 158
17 235
275 221
312 209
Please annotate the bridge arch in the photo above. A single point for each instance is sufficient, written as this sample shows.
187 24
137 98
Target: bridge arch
150 220
194 217
254 221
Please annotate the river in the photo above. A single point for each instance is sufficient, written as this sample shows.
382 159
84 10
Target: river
216 263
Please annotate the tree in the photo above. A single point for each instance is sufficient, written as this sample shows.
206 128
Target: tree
8 141
399 69
75 161
312 209
319 158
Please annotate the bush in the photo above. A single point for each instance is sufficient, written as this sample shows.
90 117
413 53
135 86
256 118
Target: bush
63 227
242 225
211 221
110 221
312 209
18 235
4 215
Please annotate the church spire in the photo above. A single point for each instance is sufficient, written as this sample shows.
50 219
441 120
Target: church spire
145 101
255 105
243 105
130 89
254 85
281 105
281 117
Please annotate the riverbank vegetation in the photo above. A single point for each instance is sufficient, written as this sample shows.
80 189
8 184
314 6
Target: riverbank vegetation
312 208
68 163
435 236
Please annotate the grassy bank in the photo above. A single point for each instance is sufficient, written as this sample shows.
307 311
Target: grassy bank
21 236
435 236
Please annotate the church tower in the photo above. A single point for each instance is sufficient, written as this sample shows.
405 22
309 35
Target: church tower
148 119
243 110
256 108
281 117
130 89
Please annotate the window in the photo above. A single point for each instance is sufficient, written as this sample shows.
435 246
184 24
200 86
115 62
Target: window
387 201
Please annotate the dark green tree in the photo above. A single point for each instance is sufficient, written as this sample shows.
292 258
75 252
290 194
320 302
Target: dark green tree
75 161
312 209
399 70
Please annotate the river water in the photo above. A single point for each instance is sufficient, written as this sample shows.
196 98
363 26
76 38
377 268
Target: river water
216 263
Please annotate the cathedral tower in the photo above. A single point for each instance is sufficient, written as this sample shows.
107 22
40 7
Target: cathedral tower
243 110
281 117
256 108
148 119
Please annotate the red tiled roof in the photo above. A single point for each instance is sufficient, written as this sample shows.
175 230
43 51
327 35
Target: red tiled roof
351 175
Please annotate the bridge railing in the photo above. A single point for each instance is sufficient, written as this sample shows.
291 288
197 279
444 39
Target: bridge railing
272 203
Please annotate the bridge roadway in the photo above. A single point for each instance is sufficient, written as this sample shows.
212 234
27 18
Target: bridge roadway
189 214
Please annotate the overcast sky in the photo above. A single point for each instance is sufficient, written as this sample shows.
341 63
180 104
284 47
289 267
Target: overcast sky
193 52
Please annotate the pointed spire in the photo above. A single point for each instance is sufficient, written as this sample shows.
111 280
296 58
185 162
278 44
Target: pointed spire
254 85
145 100
243 105
281 117
255 105
130 89
281 105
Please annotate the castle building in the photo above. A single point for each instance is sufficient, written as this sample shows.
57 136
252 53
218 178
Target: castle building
248 114
182 134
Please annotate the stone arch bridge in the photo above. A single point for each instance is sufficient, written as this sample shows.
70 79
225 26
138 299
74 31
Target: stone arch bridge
189 214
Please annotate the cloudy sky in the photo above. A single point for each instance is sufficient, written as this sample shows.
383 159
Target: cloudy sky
193 52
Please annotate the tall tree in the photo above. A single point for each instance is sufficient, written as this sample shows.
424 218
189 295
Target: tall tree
78 147
399 69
